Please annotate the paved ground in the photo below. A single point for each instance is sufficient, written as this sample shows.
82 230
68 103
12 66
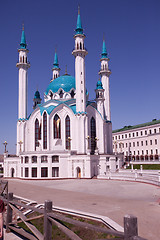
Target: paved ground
110 198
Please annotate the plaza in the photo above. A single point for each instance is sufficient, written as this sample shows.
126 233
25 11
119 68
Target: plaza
109 198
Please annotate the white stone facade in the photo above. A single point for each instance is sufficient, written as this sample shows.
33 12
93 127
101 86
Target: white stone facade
66 136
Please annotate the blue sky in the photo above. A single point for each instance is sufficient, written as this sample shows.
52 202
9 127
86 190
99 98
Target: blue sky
132 34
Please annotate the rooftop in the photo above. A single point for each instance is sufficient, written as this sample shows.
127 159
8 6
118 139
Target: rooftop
126 128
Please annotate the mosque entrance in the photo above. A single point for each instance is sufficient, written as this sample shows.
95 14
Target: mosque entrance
12 172
78 172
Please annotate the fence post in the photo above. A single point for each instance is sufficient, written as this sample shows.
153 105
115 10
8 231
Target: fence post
9 212
47 222
130 227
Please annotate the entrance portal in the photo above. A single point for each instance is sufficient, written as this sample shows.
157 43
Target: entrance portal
78 172
12 172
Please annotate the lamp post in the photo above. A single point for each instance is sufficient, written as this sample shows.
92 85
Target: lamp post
69 140
87 138
5 146
20 144
96 139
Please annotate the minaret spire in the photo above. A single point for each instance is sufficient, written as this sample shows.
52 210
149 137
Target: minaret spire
55 69
79 29
105 73
23 44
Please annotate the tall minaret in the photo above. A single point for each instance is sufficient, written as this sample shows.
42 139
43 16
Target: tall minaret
80 52
105 73
55 68
23 66
100 98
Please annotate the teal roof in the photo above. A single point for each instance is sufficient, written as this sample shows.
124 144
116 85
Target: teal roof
65 82
99 85
79 29
104 51
23 44
37 94
126 128
55 64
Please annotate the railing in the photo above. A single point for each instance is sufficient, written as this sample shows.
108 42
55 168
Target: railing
50 217
134 175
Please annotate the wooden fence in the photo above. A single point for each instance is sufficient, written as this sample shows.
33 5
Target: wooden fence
50 217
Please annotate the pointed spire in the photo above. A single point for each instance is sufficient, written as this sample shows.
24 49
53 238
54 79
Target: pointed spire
104 51
79 29
23 44
55 64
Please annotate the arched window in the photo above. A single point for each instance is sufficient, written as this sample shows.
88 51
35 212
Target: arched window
61 94
23 59
45 130
72 94
93 135
57 126
80 45
68 140
77 46
36 133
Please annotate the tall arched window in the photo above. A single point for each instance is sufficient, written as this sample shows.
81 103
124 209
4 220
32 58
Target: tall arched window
36 133
68 140
45 130
57 126
93 135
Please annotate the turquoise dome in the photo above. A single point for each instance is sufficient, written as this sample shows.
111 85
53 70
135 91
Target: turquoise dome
37 94
65 82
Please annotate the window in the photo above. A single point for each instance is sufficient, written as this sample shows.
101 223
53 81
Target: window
34 172
44 172
150 142
21 159
55 159
68 139
141 133
34 159
130 144
55 171
26 172
36 133
125 135
134 153
93 135
154 130
137 134
141 143
150 132
147 152
138 152
72 94
137 144
26 159
129 135
45 130
151 151
126 144
145 132
119 137
142 152
61 94
133 144
116 137
146 143
57 126
133 134
156 151
122 136
44 159
156 141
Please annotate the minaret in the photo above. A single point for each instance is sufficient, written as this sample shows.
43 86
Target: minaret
100 98
23 66
80 52
105 73
55 69
37 99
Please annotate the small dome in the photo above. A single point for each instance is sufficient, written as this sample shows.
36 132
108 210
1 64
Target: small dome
99 85
65 82
37 94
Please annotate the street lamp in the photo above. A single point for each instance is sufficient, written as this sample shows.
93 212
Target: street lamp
5 145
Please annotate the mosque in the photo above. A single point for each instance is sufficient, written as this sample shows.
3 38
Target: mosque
66 136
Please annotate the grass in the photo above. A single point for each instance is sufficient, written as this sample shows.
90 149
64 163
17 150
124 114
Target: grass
146 166
83 233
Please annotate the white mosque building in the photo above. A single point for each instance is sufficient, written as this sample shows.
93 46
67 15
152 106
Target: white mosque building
66 136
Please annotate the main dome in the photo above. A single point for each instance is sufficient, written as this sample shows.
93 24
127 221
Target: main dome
65 82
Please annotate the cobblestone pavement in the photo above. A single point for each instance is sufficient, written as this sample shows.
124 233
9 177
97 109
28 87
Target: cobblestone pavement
110 198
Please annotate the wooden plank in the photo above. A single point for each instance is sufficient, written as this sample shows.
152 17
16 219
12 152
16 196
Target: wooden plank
65 230
86 225
30 219
23 233
29 225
